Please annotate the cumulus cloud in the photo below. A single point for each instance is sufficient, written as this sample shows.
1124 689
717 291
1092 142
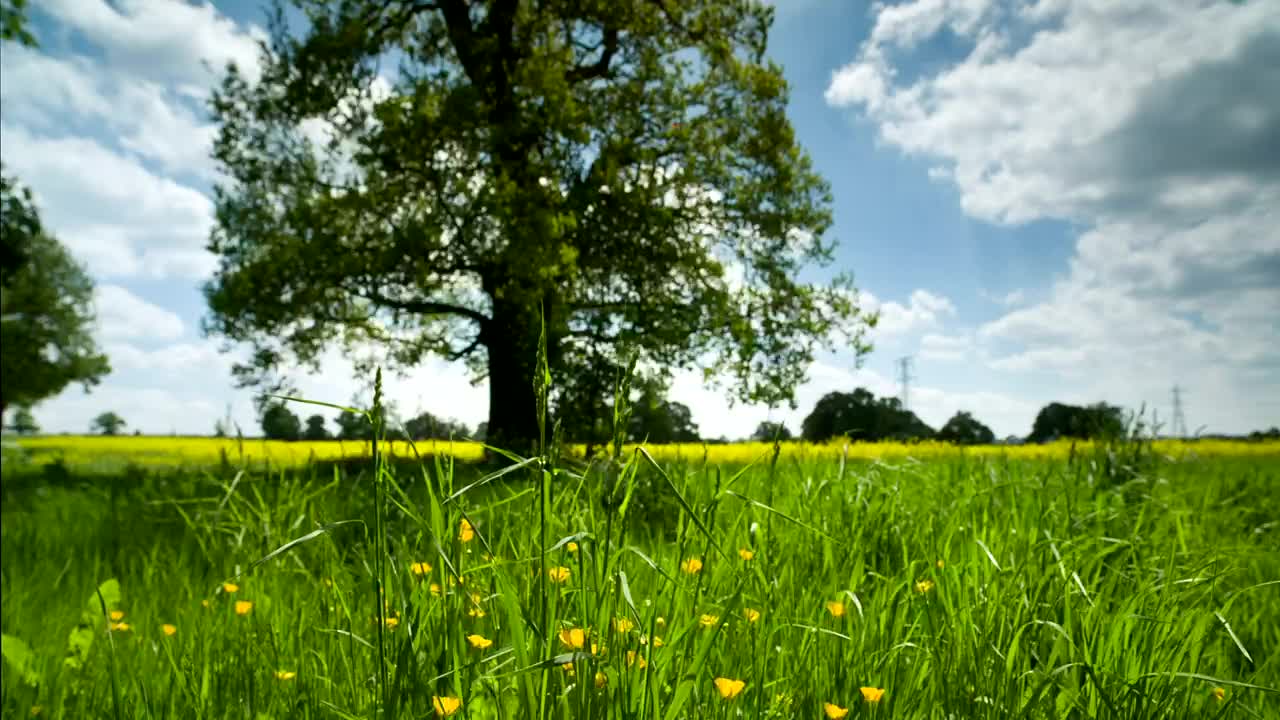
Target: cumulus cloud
924 310
1155 127
117 216
174 42
125 316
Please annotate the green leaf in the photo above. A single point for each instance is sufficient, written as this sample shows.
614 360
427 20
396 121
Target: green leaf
20 659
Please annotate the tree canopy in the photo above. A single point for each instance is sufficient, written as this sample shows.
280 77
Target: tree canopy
655 419
46 308
964 429
23 422
623 169
1058 420
315 429
279 423
859 415
108 423
770 431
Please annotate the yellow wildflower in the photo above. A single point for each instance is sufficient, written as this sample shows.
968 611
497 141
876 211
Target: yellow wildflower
445 706
476 612
692 566
572 547
244 607
708 620
657 640
623 625
750 614
1219 693
420 568
941 564
601 679
558 574
116 615
479 642
392 622
169 630
729 689
204 603
573 638
230 587
286 674
121 627
435 589
568 669
746 554
834 711
872 694
661 621
466 533
924 586
634 658
836 608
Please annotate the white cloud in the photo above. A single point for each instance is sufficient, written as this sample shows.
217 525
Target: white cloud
945 347
110 211
179 42
124 316
42 91
1129 119
924 311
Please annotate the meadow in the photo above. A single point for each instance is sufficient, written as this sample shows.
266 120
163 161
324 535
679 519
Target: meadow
187 578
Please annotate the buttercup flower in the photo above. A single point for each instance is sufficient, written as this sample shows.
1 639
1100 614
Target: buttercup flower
116 615
601 679
872 694
466 533
445 706
746 554
750 614
558 574
924 586
169 630
729 688
420 568
1219 693
623 625
120 627
230 587
634 658
572 547
286 674
708 620
834 711
836 608
244 607
479 642
692 566
573 638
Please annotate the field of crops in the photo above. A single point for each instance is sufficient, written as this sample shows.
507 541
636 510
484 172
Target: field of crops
821 582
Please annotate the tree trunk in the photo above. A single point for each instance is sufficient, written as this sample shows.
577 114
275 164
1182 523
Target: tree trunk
512 342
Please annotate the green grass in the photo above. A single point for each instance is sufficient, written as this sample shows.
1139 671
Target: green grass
1057 591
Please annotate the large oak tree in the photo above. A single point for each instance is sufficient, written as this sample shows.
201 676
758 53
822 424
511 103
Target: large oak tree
622 168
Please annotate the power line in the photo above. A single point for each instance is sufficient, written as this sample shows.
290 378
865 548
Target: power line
1179 419
905 377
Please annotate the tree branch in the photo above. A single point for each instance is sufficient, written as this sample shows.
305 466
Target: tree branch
425 307
600 68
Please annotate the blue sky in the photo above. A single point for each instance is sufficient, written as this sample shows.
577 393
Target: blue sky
1070 200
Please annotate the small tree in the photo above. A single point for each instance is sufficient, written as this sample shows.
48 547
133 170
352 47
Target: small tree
46 308
108 423
316 429
658 420
278 423
769 431
965 429
23 422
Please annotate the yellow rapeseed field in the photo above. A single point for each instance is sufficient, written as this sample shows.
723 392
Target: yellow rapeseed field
81 450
